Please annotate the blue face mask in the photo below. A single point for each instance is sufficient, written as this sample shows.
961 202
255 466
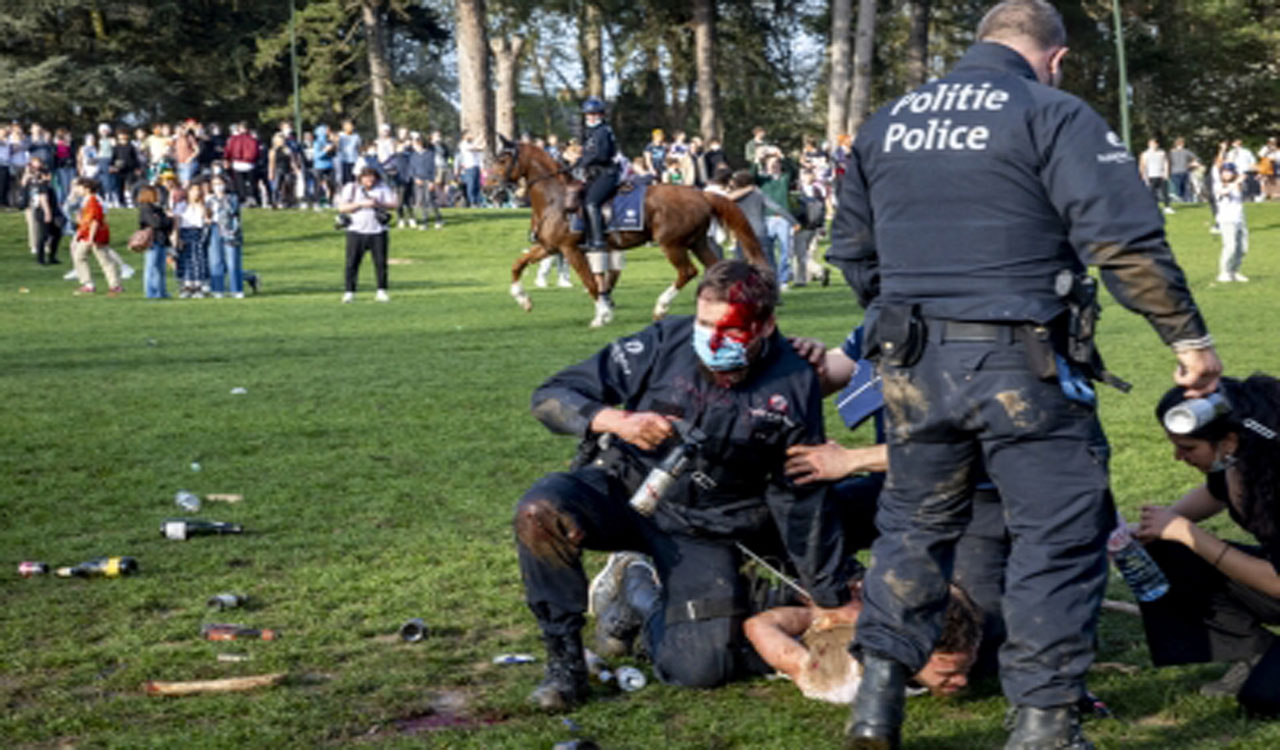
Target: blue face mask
732 355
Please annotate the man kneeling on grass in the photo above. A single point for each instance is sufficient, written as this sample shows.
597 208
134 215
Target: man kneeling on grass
728 374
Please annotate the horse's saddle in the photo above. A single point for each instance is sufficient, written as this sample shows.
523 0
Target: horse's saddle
624 212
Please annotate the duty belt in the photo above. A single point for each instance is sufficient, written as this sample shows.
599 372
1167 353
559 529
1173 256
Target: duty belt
942 331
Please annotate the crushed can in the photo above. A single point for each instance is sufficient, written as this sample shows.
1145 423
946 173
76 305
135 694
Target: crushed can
227 632
28 568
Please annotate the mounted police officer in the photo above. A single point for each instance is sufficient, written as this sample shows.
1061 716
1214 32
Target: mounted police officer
728 375
597 160
964 201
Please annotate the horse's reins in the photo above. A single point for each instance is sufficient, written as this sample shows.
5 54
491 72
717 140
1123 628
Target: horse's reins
528 183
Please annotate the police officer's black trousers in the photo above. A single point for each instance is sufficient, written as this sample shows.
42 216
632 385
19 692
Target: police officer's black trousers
982 552
1207 617
694 637
964 400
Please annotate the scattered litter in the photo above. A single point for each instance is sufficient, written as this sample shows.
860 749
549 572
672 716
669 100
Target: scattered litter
1128 608
399 261
224 497
507 660
414 630
152 342
228 685
233 657
239 391
185 528
195 466
227 601
1115 666
217 631
23 290
100 567
28 568
187 501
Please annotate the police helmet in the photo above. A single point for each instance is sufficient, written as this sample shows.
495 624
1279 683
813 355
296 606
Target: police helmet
593 106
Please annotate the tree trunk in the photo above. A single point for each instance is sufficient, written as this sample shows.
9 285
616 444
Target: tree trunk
704 41
655 93
841 55
473 72
918 43
864 44
506 59
371 13
591 41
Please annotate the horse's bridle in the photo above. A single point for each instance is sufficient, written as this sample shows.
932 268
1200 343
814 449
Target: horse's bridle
509 174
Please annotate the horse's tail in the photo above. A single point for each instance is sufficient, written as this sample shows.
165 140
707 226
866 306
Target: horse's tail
727 213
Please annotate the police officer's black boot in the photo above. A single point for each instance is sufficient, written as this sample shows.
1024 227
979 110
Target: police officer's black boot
1056 728
564 684
879 707
595 228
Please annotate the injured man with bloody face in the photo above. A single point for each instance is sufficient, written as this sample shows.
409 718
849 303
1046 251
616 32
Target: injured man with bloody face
811 647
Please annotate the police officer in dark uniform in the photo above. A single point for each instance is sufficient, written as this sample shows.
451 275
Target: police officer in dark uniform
963 201
598 152
728 374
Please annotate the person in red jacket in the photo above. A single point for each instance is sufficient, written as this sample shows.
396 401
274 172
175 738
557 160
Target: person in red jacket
93 234
242 155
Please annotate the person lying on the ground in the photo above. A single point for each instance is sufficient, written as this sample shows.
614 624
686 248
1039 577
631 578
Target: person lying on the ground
811 647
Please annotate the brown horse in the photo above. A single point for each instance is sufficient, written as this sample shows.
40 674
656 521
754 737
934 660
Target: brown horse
676 217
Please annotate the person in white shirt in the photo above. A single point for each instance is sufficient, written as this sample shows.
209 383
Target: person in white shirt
1153 164
1228 192
193 261
1247 166
366 205
470 159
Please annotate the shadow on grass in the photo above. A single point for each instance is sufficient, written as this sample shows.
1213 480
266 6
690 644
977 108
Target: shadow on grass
294 290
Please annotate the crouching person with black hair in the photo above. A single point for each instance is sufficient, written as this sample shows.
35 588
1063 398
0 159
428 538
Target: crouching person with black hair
1222 594
726 385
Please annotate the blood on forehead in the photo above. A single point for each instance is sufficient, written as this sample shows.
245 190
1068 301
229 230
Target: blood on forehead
740 321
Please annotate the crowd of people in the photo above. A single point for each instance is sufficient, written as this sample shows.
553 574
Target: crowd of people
189 182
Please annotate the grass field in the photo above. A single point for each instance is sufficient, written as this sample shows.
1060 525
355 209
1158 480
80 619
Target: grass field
380 450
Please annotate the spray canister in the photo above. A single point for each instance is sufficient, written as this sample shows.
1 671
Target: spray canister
1143 575
651 491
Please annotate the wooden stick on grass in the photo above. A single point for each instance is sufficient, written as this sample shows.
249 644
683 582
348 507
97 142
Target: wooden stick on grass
228 685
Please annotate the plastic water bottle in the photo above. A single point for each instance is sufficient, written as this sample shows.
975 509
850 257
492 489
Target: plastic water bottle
1144 577
187 501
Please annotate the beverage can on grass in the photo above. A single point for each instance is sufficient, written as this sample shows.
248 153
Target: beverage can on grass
507 660
28 568
218 631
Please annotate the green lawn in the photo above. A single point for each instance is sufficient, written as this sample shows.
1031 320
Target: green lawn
380 450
